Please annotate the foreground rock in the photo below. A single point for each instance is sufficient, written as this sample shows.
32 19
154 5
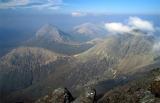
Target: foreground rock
155 86
87 96
144 89
60 95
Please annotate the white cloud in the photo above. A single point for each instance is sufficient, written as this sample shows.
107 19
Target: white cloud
13 3
78 14
117 27
56 1
138 23
135 26
40 4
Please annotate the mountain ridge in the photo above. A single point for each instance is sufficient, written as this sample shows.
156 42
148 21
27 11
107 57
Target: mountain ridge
109 59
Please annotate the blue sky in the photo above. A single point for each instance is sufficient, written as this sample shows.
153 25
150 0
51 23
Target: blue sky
117 6
84 6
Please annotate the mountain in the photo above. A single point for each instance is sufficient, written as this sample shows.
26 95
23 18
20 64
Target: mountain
26 66
89 30
52 38
111 61
52 34
16 55
115 56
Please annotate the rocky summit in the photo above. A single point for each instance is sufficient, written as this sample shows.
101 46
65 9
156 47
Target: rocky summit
145 89
60 95
87 96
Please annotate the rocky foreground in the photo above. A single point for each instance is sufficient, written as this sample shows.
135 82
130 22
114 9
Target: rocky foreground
62 95
145 89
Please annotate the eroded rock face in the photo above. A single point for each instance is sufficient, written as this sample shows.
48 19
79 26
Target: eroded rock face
60 95
155 86
87 96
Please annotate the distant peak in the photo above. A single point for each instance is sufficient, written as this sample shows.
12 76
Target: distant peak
51 33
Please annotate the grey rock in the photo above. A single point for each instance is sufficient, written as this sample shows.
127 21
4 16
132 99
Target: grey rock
60 95
155 86
147 98
87 96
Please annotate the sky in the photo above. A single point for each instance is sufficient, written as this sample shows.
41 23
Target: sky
83 7
25 15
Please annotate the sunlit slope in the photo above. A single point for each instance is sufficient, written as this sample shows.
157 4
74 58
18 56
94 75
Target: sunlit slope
116 55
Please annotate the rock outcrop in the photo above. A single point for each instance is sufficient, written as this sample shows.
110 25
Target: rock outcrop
144 89
155 86
60 95
87 96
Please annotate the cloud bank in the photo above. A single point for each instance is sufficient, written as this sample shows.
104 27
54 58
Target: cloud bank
12 3
138 23
117 27
135 26
50 4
